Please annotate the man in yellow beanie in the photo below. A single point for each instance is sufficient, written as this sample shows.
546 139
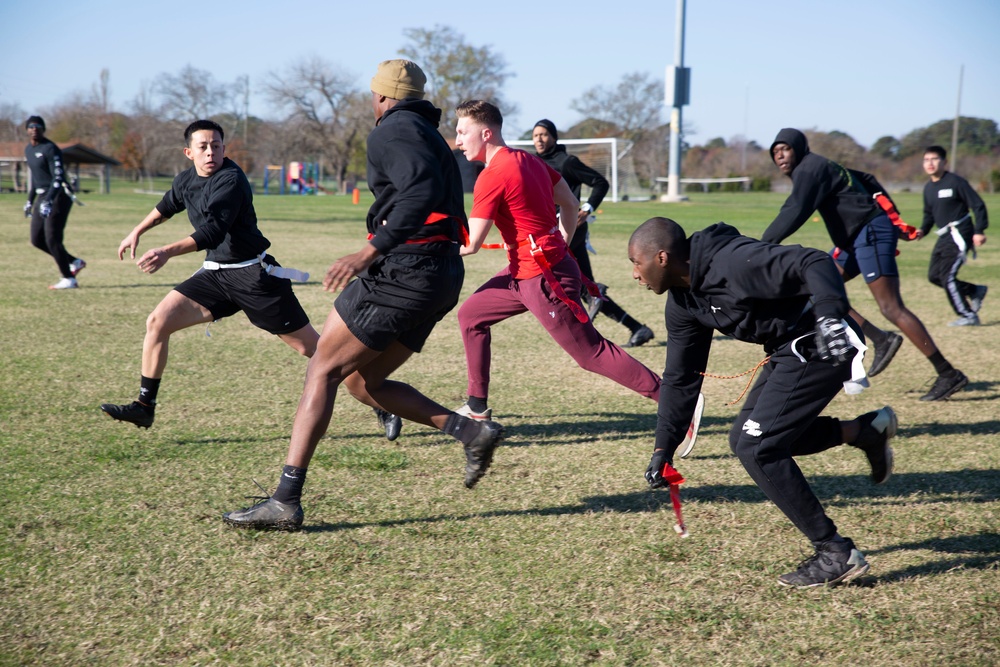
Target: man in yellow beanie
409 274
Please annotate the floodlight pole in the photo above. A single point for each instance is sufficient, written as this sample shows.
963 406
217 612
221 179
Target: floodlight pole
677 95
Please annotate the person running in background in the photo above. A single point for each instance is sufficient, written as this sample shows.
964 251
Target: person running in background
575 172
948 199
519 193
49 202
866 244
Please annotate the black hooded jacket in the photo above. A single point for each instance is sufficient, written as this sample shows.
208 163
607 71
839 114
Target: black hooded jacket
820 184
754 291
412 173
576 172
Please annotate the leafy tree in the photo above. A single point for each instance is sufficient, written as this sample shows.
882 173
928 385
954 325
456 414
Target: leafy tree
976 136
456 70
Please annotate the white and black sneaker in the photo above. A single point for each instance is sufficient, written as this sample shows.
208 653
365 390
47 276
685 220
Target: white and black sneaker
877 431
833 563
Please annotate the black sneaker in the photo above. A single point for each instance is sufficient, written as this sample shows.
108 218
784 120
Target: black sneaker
390 422
640 336
595 303
832 564
946 385
479 452
134 413
885 352
267 514
976 300
878 430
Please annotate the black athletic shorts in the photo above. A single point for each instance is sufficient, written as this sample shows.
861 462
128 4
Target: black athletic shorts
268 302
401 297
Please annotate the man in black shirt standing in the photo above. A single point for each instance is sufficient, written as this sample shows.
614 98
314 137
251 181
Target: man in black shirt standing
575 172
238 274
948 199
790 300
49 202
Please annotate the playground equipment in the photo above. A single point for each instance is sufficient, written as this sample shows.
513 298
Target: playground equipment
300 178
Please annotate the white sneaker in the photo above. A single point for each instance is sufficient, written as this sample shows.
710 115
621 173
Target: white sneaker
76 266
466 411
65 283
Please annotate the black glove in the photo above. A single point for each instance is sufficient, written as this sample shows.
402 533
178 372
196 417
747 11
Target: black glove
654 473
27 209
832 342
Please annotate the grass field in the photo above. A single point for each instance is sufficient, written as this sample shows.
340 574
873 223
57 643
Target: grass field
113 552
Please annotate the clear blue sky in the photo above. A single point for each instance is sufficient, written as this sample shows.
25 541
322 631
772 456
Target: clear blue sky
865 67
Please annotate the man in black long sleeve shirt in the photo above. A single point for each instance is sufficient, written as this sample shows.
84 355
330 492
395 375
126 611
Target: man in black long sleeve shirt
948 199
790 300
49 202
866 245
238 274
575 172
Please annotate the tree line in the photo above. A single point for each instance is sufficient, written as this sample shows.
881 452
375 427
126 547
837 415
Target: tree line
322 115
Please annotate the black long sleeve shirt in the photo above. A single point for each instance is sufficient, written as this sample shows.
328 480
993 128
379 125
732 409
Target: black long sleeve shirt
950 199
220 208
46 166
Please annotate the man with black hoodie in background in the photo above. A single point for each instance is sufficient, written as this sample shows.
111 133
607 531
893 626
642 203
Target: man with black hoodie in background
866 244
545 137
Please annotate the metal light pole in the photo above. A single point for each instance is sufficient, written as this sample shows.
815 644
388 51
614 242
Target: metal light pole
677 95
958 114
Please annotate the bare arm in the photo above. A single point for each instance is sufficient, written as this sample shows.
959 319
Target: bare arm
154 259
348 266
567 202
478 229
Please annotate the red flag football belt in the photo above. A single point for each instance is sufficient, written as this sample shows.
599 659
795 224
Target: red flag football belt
591 286
674 479
890 210
543 263
463 233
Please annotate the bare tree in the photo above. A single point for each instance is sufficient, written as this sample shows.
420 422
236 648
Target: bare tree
191 94
457 71
332 114
634 106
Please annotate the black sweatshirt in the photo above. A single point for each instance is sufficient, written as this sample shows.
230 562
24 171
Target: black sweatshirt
948 200
754 291
821 184
412 173
220 208
45 163
576 172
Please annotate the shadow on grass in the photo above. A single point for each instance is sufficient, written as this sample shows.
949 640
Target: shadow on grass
976 486
961 552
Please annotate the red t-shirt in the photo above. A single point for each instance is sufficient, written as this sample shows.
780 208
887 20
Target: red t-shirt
515 191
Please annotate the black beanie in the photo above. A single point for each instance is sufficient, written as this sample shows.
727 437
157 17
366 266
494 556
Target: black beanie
548 125
34 119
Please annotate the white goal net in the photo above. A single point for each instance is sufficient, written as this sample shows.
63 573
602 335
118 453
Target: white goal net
609 157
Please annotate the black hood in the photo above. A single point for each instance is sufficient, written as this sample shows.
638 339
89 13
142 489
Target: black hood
422 107
793 138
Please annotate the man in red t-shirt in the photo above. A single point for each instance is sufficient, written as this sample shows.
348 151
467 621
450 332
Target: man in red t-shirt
519 193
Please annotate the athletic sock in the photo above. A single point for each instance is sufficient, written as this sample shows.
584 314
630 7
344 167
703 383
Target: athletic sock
941 364
462 428
290 485
477 404
148 388
873 333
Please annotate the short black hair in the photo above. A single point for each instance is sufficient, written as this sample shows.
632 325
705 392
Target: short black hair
937 149
199 125
34 119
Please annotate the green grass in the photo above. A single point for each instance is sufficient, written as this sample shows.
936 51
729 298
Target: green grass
112 551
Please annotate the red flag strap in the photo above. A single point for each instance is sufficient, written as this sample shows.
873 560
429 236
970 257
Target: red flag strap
674 478
543 263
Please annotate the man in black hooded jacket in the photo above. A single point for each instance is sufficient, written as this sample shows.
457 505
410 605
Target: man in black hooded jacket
545 137
866 244
409 274
790 300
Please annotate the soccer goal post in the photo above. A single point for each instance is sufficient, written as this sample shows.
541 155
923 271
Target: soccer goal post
610 157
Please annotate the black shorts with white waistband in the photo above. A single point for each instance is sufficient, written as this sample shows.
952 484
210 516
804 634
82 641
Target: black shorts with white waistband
401 297
269 302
